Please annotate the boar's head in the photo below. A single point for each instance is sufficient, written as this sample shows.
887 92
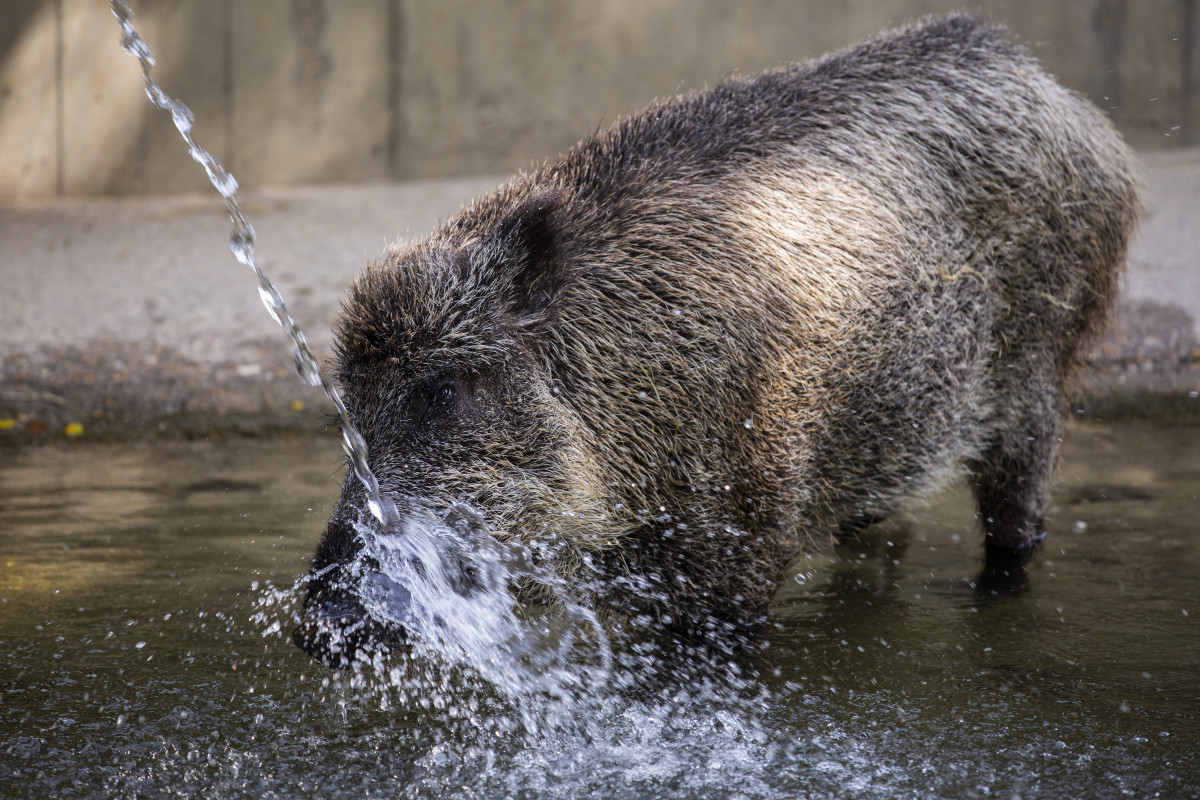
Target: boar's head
437 356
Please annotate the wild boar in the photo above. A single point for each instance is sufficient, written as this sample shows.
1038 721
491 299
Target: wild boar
741 322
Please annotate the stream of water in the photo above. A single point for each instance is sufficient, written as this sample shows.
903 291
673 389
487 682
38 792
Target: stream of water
241 243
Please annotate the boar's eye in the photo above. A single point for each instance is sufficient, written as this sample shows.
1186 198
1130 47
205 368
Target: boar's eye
433 401
442 396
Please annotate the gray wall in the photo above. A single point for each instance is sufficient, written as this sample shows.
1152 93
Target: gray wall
289 91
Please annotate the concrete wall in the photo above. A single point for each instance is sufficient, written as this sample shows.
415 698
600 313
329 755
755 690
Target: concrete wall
289 91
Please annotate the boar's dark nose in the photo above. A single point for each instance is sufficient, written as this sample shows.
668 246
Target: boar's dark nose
339 639
337 631
357 607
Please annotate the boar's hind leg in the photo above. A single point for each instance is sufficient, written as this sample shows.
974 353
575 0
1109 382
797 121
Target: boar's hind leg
1012 479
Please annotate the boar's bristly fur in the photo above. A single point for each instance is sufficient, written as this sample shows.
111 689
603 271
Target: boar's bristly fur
751 317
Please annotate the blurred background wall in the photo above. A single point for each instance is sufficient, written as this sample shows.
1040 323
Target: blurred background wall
301 91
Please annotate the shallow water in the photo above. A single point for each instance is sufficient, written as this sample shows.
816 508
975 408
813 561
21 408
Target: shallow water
146 606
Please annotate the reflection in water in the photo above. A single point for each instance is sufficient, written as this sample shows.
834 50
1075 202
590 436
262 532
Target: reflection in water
147 600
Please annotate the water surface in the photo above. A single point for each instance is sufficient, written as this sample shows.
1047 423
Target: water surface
146 605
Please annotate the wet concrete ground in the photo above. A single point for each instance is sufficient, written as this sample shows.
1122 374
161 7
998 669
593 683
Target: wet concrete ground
120 317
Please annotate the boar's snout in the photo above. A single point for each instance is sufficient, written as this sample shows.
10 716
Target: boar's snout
357 607
336 628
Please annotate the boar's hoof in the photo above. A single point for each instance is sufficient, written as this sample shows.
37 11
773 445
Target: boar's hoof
1003 572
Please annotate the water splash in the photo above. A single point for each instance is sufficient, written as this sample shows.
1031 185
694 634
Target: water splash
241 242
442 590
415 581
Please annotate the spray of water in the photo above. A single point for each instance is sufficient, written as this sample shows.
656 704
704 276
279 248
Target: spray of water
415 582
454 580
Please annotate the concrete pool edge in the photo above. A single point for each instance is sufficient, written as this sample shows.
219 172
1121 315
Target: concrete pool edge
128 390
127 317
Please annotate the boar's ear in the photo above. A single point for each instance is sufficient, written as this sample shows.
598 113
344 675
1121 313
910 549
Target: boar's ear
527 247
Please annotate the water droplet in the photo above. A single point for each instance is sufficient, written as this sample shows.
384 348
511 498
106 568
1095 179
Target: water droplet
132 44
157 95
242 245
182 117
272 300
375 507
225 183
356 450
307 369
222 180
